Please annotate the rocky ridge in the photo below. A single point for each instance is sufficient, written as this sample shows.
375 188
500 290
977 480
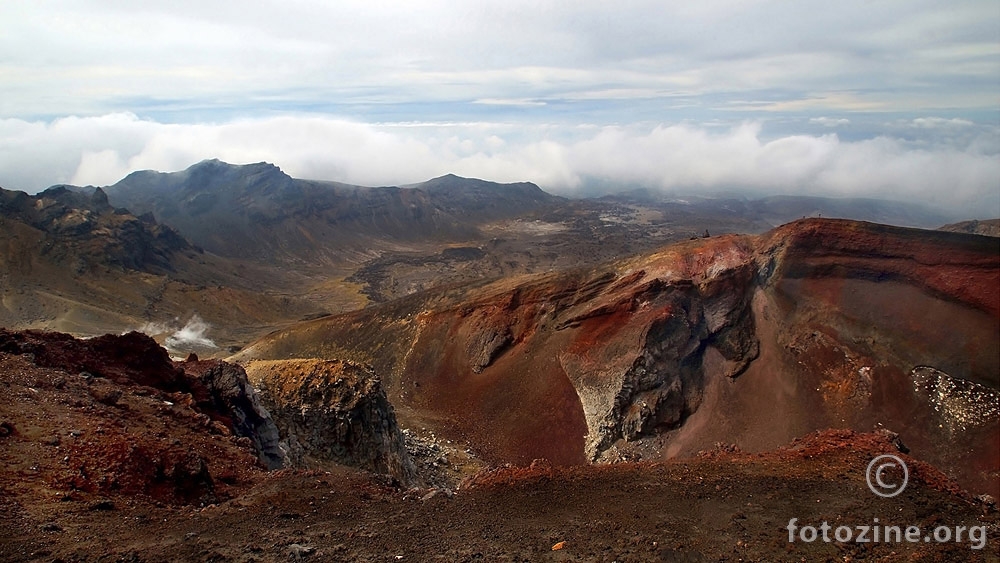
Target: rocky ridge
85 232
73 263
114 416
986 227
229 391
258 212
219 394
279 249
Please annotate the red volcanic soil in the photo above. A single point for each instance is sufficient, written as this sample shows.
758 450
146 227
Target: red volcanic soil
132 359
549 422
123 426
720 506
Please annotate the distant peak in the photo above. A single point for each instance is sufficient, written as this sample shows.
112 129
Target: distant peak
215 164
215 168
210 163
55 191
99 198
451 179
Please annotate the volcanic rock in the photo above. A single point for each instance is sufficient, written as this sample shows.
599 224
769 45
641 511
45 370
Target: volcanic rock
129 359
85 228
332 411
92 436
256 211
230 394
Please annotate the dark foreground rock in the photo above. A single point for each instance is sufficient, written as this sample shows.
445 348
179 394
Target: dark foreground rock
333 411
229 391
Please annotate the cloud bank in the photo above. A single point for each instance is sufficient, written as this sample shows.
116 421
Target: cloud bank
892 99
956 169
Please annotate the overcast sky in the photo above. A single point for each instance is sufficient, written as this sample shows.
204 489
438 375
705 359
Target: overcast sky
891 99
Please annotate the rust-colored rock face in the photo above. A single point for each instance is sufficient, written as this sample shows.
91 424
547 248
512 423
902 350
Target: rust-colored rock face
217 392
735 339
79 436
130 359
951 266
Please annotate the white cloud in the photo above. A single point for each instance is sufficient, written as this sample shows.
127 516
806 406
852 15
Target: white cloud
829 121
565 94
938 122
508 102
101 150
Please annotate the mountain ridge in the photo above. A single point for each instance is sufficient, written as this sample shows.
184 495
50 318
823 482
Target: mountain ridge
70 261
986 227
448 207
87 228
239 210
591 342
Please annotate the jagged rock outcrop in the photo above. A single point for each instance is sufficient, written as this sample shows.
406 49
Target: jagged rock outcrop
630 344
112 415
489 333
229 393
637 359
84 231
128 359
333 411
621 351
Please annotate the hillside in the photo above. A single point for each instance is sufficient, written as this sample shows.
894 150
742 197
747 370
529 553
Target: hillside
84 232
72 262
989 227
248 249
394 241
751 340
